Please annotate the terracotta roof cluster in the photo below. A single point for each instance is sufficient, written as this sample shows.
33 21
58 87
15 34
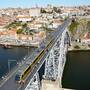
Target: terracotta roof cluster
3 21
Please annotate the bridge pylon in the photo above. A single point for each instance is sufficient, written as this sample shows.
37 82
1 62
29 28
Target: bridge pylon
34 84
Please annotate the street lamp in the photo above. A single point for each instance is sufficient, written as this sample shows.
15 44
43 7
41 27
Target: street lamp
9 64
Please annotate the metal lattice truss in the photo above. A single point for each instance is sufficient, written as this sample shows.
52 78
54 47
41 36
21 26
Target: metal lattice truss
34 84
56 58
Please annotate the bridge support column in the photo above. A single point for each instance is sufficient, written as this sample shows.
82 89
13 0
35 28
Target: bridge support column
62 57
49 66
56 56
34 84
63 51
56 59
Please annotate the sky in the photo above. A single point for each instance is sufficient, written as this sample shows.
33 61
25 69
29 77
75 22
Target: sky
33 3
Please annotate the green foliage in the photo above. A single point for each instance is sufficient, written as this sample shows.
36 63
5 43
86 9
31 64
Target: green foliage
42 10
19 31
88 25
79 28
73 26
76 47
31 32
45 11
13 25
24 25
57 10
66 18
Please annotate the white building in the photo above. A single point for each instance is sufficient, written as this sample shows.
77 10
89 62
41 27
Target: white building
24 18
34 12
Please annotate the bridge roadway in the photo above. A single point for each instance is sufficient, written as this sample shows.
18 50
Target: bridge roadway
10 83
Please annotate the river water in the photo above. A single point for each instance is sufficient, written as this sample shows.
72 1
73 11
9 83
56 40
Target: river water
76 73
12 55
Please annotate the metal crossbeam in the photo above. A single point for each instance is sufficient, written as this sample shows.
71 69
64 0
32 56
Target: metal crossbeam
56 59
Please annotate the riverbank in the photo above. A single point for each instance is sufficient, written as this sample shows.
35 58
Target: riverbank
78 46
13 46
16 45
19 43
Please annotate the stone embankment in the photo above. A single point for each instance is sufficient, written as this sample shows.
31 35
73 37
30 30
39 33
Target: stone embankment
78 46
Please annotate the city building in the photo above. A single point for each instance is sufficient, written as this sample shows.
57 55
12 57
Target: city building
34 12
24 18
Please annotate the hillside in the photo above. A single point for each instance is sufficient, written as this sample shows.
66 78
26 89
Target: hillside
79 27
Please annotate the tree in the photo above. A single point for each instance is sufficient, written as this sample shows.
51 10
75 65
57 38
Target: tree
73 27
43 10
77 47
31 32
55 9
13 24
59 11
88 25
19 31
82 28
24 26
